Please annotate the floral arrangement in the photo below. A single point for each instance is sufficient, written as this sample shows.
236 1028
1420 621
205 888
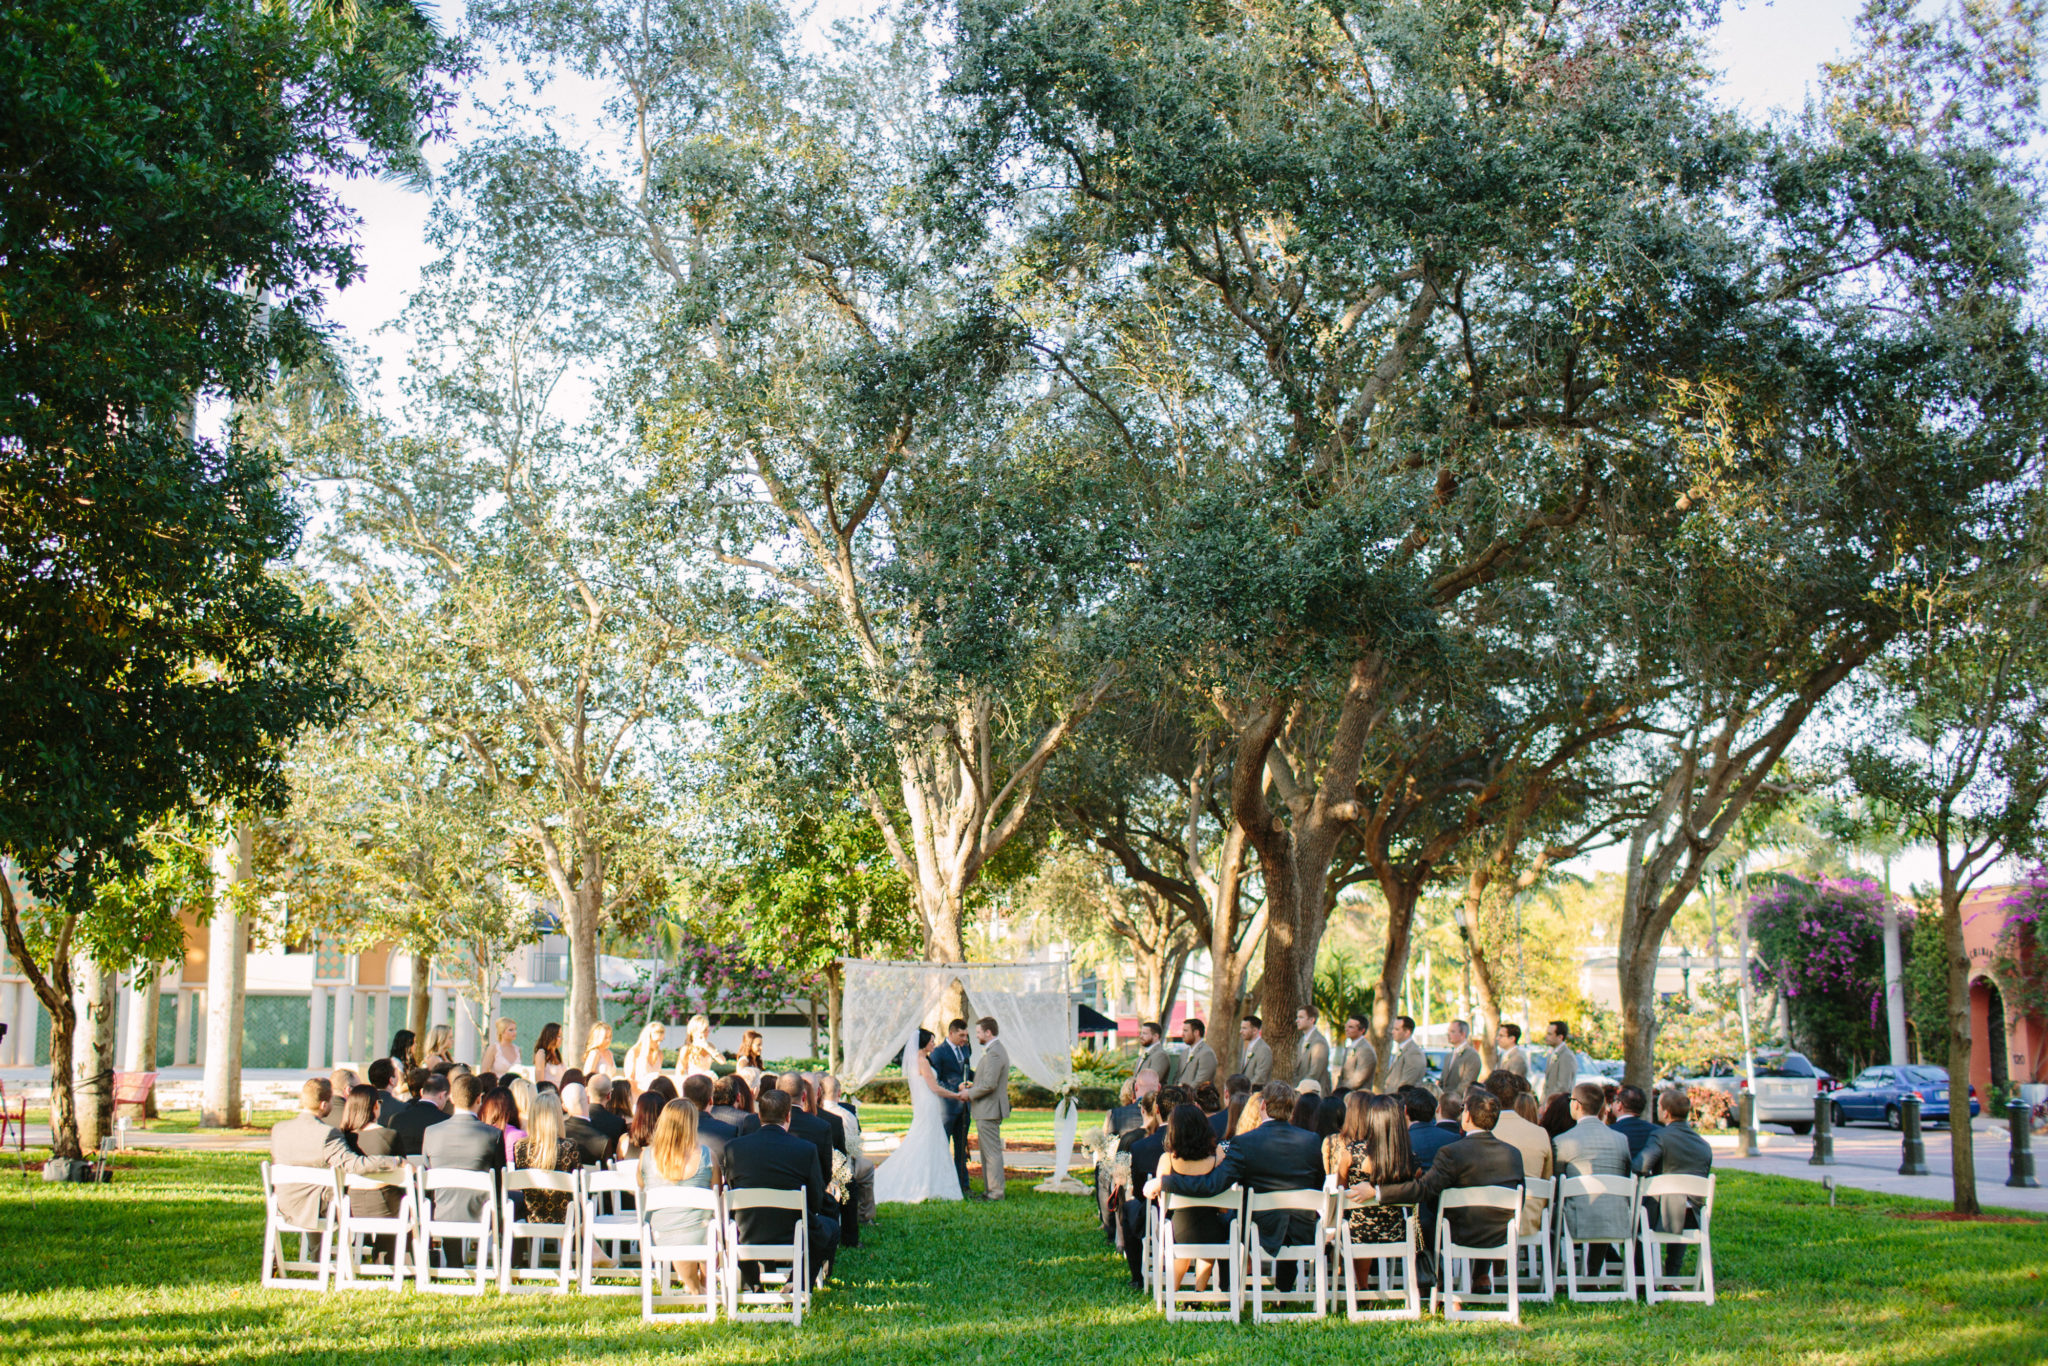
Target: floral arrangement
2020 958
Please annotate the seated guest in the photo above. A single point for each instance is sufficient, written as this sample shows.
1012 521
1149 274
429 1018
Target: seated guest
1126 1114
1628 1121
616 1112
488 1082
1526 1137
677 1157
1209 1101
1448 1111
381 1073
1308 1102
1275 1156
343 1080
1556 1115
1191 1151
1371 1147
664 1087
546 1148
305 1140
594 1143
1590 1148
1676 1149
1330 1114
1477 1159
360 1129
465 1143
713 1132
499 1110
1146 1147
431 1107
862 1187
574 1076
726 1094
647 1108
1425 1138
773 1158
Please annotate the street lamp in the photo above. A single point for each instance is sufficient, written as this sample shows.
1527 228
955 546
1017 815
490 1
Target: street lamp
1685 972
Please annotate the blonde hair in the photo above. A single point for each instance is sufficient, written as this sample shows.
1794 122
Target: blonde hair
504 1023
646 1042
593 1043
674 1146
525 1097
544 1130
1253 1114
440 1042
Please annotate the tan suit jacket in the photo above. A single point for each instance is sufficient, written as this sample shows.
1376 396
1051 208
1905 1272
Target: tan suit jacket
988 1095
1516 1060
1562 1074
1312 1059
307 1140
1408 1066
1198 1065
1534 1144
1158 1061
1258 1062
1461 1069
1356 1062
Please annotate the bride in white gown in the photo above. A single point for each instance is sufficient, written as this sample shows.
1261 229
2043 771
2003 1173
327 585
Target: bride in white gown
921 1168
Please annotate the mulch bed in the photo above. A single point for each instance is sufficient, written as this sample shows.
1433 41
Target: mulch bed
1949 1216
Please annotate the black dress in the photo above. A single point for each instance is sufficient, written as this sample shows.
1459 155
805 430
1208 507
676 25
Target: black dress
1375 1223
1200 1226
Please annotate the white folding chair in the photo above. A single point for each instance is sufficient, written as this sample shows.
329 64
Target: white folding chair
1396 1262
1227 1255
1148 1254
607 1220
482 1230
1455 1261
786 1305
515 1279
1698 1285
358 1229
308 1272
1537 1251
658 1260
1307 1255
1580 1283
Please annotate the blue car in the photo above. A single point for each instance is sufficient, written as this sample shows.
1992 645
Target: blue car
1877 1093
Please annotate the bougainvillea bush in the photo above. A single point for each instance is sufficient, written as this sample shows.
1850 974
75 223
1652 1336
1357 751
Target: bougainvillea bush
721 980
2020 959
1821 943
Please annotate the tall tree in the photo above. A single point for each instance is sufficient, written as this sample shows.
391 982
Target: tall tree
170 215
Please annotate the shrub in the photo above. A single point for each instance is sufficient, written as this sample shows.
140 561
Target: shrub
1822 944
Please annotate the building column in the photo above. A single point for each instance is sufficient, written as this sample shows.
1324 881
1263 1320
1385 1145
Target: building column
181 1046
438 1013
380 1024
316 1030
199 999
10 1015
344 999
466 1049
139 1028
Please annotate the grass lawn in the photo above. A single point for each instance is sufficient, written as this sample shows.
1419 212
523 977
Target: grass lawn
161 1267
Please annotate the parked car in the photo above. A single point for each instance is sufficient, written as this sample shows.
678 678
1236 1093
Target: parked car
1786 1084
1879 1094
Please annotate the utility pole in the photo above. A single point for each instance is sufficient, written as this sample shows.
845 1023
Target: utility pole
1894 973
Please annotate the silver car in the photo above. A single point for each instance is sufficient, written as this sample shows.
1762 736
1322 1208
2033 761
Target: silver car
1786 1084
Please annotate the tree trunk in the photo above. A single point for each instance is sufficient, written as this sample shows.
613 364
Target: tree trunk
419 1005
584 907
835 1006
1480 972
1963 1154
99 995
1636 971
1393 967
226 969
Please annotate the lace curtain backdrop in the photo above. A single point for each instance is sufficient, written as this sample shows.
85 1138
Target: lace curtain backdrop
882 1001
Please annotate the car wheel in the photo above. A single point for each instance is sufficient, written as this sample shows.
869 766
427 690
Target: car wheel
1801 1129
1891 1118
1836 1117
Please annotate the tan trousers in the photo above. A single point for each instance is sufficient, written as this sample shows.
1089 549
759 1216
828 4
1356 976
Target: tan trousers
988 1137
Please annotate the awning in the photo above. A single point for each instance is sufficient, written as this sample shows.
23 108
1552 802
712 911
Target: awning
1094 1021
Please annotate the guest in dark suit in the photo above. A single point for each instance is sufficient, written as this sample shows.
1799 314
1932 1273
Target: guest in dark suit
1630 1102
611 1110
952 1066
1146 1149
593 1143
1278 1155
388 1105
726 1109
829 1136
712 1133
1450 1114
1477 1159
465 1143
1674 1149
1425 1138
775 1159
417 1116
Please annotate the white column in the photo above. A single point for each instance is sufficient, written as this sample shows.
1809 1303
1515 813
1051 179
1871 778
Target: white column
181 1048
10 1015
380 1024
316 1030
466 1049
438 1014
138 1049
198 1026
1894 984
344 999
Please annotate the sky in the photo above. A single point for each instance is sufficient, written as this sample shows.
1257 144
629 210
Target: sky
1768 51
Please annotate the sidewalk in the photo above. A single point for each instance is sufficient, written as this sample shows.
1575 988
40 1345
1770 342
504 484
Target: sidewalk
1867 1158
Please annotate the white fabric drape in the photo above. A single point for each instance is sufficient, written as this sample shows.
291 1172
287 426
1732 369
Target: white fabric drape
1029 1001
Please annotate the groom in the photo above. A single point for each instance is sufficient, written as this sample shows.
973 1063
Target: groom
989 1098
950 1066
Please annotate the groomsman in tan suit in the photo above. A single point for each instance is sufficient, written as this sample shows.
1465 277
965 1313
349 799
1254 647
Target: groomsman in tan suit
1312 1055
988 1099
1357 1060
1198 1064
1461 1069
1258 1054
1507 1043
1563 1072
1153 1056
1407 1067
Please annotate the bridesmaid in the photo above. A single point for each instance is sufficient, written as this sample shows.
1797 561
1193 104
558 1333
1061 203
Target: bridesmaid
597 1054
697 1055
643 1059
502 1058
547 1055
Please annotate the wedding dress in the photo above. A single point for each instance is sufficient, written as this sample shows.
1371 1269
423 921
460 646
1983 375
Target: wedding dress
921 1168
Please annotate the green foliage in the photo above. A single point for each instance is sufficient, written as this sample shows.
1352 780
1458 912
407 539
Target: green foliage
171 216
1821 944
1342 989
